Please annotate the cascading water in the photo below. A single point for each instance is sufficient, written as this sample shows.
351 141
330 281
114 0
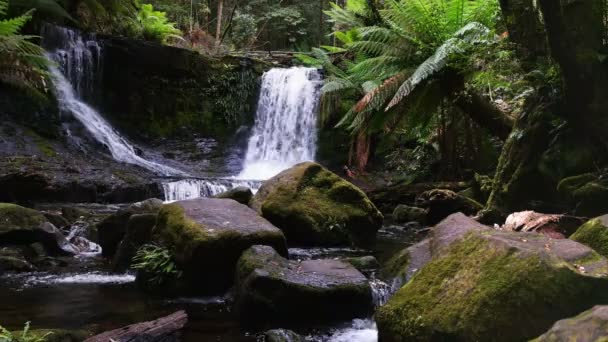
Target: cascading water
78 61
194 188
285 126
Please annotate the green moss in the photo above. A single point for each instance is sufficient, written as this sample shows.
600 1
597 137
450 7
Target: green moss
594 234
567 186
14 217
43 144
311 199
480 291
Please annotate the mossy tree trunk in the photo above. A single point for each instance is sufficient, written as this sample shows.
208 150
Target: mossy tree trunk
576 35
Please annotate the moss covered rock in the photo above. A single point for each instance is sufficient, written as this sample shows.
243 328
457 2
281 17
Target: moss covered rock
440 203
282 335
403 265
405 213
24 226
207 236
314 206
588 193
271 288
114 227
594 234
495 286
139 232
590 326
241 194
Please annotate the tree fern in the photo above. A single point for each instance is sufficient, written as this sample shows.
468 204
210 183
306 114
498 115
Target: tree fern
22 63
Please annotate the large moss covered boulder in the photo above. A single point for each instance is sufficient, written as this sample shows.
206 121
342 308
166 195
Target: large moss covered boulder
403 265
594 234
590 326
207 236
495 286
272 289
440 203
24 226
588 193
314 206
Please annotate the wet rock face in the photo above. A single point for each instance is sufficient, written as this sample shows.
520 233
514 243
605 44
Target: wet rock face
207 236
23 226
495 285
112 229
315 207
271 288
282 335
589 326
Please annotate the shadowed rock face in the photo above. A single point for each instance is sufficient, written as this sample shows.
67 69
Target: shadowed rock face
207 236
271 288
590 326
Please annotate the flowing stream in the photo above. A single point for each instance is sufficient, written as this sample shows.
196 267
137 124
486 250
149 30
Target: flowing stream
78 61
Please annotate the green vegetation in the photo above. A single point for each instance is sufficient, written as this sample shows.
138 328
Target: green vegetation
24 336
155 25
157 263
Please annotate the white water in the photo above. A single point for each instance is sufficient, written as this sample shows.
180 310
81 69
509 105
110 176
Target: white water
78 60
84 246
186 189
285 126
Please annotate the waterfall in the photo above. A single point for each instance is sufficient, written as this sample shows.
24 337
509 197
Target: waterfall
78 61
285 126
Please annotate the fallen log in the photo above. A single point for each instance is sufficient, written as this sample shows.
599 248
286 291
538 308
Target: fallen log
165 329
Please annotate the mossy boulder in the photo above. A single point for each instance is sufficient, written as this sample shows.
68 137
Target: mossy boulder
495 286
594 234
13 260
403 265
272 289
588 193
139 232
404 214
207 236
440 203
364 264
24 226
114 227
589 326
241 194
314 206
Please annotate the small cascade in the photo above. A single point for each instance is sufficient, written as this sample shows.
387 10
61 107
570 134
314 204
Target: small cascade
77 237
79 60
381 291
285 126
186 189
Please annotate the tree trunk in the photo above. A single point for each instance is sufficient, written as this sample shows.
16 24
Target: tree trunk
485 114
164 329
218 27
522 18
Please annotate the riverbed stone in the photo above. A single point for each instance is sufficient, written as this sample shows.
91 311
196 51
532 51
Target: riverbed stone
315 207
589 326
594 233
241 194
495 285
12 259
139 232
113 228
587 192
364 264
207 236
270 288
24 226
440 203
404 214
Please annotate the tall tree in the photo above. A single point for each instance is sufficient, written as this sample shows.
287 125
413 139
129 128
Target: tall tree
218 27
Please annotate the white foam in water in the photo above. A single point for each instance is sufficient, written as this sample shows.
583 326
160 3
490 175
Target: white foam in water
285 126
77 59
37 279
360 330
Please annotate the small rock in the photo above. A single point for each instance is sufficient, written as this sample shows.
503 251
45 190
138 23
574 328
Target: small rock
282 335
404 214
441 203
364 263
241 194
590 326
